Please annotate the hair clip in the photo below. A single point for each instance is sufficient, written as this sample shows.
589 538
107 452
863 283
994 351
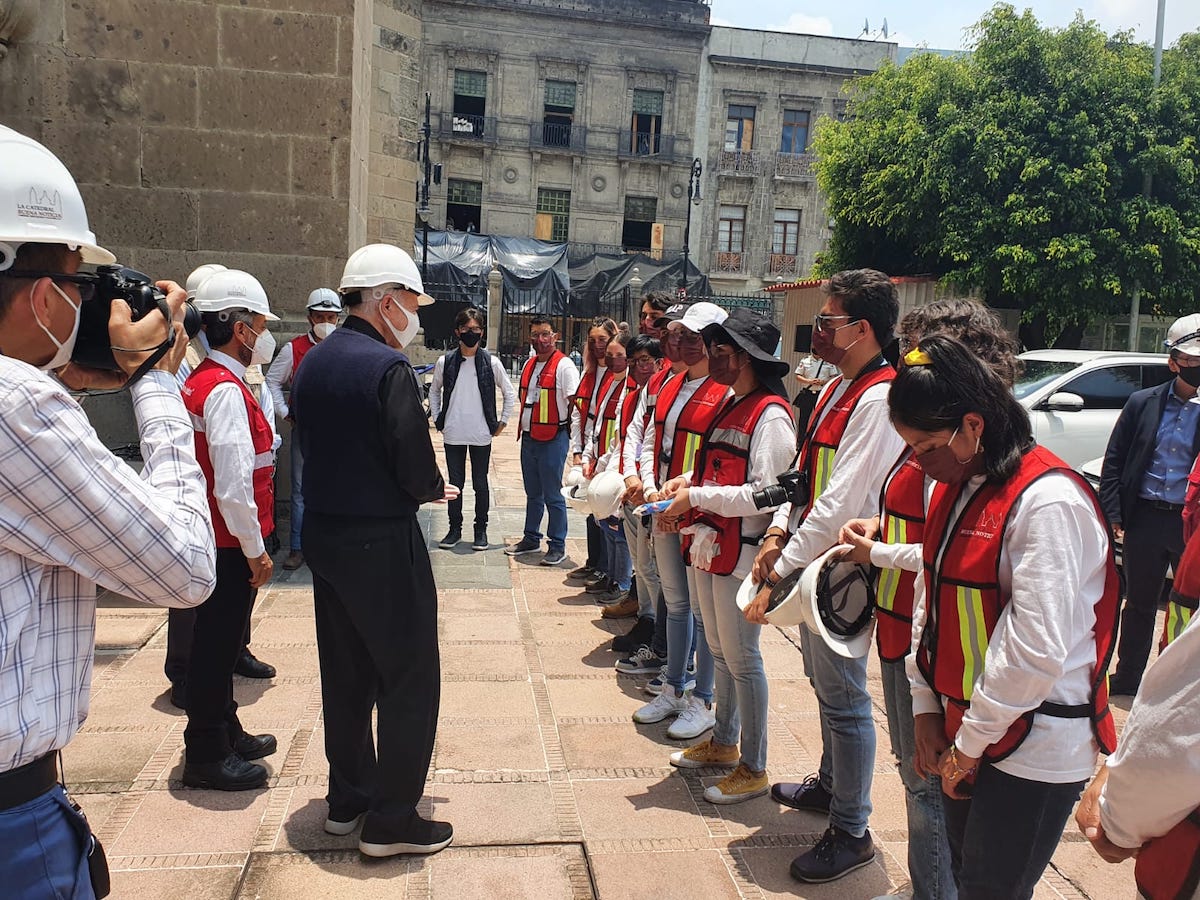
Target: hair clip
917 357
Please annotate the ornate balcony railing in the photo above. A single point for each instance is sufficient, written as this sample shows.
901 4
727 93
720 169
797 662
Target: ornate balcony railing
784 264
794 165
730 263
456 126
738 162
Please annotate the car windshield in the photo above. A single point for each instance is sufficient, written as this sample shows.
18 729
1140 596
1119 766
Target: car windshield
1038 372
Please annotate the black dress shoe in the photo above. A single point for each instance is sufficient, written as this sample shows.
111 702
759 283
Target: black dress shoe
249 666
837 853
230 774
419 836
179 695
255 746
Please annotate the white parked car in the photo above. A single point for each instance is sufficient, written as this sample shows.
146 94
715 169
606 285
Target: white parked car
1075 396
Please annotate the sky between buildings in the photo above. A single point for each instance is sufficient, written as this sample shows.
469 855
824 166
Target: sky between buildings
943 26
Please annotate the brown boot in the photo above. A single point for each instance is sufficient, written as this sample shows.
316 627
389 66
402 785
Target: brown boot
624 608
294 560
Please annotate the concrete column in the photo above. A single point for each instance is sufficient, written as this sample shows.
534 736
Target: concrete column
495 304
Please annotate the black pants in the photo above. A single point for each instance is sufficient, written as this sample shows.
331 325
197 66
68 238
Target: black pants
456 469
376 613
220 628
597 549
1153 541
1002 839
181 625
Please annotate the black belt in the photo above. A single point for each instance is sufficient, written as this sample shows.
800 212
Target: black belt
28 782
1161 504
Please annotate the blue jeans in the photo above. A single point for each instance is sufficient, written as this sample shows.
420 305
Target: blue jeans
684 624
620 566
847 731
541 471
928 850
297 495
740 681
1002 839
45 850
637 536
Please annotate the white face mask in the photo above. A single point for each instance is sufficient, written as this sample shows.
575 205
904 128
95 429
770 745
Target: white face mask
404 336
67 347
263 350
323 330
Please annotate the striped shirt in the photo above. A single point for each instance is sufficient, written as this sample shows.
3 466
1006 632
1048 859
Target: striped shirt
73 516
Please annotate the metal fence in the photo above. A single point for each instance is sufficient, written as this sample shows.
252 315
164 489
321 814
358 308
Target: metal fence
438 320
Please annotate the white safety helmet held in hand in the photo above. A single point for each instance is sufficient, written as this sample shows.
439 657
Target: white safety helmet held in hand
40 202
324 300
376 265
576 496
199 275
838 601
233 289
784 607
604 494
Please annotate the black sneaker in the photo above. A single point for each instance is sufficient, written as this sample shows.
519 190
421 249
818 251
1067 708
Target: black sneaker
554 557
808 795
450 541
230 774
602 585
525 546
421 836
255 746
583 573
641 633
481 541
597 577
837 853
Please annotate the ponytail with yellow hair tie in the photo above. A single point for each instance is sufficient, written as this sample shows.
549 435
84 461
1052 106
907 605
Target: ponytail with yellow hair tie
917 357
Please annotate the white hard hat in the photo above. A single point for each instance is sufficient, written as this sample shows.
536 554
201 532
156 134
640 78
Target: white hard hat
1184 335
40 202
379 264
233 289
324 300
198 276
838 601
576 496
604 494
783 609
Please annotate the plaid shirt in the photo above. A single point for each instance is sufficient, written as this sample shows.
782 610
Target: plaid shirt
72 516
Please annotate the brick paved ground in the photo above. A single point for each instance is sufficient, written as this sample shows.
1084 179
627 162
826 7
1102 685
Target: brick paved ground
552 790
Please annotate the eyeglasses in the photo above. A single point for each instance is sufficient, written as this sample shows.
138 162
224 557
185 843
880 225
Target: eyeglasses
825 323
470 331
644 362
85 283
685 338
535 335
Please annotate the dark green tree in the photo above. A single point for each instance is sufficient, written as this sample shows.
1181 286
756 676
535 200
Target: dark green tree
1018 171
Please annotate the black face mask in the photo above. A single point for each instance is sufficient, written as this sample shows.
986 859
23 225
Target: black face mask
1190 375
470 338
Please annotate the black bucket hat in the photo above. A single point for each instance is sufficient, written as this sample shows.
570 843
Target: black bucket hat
755 334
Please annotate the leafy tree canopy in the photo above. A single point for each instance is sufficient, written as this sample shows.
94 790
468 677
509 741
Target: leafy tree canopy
1019 171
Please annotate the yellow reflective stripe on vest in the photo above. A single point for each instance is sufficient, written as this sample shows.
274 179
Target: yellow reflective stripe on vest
610 433
1178 617
543 410
973 634
894 531
822 471
731 437
691 446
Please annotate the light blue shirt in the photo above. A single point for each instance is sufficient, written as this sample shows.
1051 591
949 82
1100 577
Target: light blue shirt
1166 476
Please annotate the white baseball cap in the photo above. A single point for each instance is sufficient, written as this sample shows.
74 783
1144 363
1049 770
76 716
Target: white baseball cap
1184 335
699 316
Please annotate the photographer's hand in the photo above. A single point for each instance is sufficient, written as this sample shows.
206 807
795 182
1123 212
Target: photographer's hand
144 336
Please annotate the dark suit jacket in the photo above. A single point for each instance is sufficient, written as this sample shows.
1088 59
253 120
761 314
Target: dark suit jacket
1130 447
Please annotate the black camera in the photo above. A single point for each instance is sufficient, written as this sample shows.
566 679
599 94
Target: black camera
93 347
792 486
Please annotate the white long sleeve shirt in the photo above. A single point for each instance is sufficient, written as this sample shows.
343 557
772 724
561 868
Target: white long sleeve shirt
591 442
73 516
631 452
1154 777
867 451
579 427
279 376
231 449
648 465
1052 567
566 383
465 424
261 392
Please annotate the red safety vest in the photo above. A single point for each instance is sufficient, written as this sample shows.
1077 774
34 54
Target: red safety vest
628 408
300 346
587 392
725 462
825 434
694 419
544 421
608 435
196 389
965 602
901 521
1168 867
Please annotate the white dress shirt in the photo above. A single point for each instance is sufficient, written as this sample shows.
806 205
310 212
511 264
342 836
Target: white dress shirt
261 392
1052 567
863 460
465 424
631 452
580 428
591 442
1154 777
231 449
72 516
279 376
566 383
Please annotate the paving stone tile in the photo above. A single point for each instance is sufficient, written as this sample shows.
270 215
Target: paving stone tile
266 704
208 883
499 878
490 748
132 704
458 601
480 628
618 745
1079 863
109 757
577 659
324 876
632 808
664 876
128 629
487 700
304 823
587 697
273 629
483 660
199 822
496 813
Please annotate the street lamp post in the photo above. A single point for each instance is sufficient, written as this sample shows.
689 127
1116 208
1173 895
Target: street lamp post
693 200
423 192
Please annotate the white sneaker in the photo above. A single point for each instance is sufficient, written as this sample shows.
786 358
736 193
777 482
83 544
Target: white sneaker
661 707
693 721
